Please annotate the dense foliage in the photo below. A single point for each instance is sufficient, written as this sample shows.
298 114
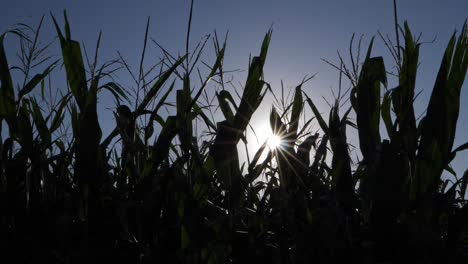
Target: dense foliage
152 191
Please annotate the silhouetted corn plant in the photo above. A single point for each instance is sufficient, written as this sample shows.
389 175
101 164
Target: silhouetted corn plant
156 189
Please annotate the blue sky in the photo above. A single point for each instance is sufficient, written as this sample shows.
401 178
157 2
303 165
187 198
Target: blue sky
304 32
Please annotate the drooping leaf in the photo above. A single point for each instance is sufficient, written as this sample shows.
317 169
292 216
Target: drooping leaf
317 114
38 78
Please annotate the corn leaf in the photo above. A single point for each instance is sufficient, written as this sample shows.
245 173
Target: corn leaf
157 86
438 132
295 113
74 66
38 78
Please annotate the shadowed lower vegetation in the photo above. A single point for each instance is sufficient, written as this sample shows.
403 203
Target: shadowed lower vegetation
172 188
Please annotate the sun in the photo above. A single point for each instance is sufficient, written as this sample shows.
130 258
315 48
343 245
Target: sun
263 134
273 141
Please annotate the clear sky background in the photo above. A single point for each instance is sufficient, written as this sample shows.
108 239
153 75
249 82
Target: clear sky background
304 32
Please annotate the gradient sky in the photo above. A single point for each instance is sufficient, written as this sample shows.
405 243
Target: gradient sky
304 32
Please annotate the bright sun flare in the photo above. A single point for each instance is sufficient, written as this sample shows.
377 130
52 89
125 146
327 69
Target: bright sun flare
273 141
264 134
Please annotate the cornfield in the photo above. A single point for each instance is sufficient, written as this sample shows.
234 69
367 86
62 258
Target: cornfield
172 188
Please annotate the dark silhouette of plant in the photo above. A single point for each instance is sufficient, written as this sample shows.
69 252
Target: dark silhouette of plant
156 189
